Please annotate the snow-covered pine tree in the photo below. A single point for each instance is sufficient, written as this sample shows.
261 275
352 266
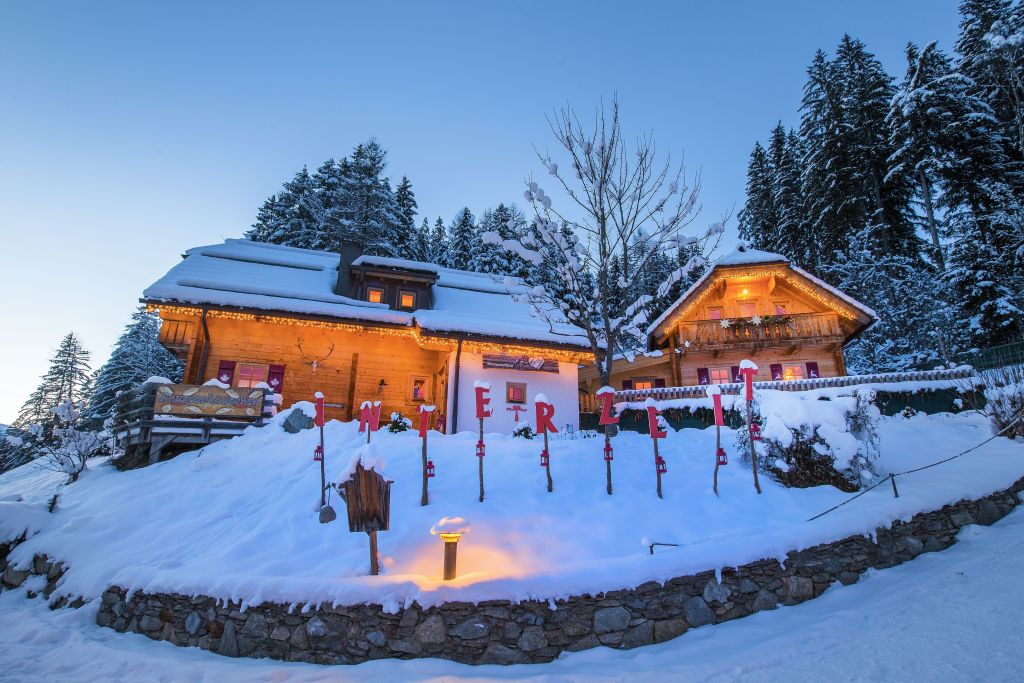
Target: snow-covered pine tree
293 217
463 240
992 57
506 222
374 211
758 219
406 240
439 245
424 252
137 356
67 380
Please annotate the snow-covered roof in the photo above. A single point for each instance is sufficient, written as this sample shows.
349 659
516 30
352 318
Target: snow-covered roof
255 275
743 255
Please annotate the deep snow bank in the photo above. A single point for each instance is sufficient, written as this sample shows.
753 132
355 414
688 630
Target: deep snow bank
238 519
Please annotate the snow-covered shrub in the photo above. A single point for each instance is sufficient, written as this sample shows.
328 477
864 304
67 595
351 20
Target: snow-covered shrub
524 432
810 442
397 423
1003 389
63 444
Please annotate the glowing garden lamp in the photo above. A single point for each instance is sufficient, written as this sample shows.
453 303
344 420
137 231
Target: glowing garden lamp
450 529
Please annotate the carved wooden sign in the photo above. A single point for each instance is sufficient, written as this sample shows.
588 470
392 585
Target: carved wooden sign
497 361
204 401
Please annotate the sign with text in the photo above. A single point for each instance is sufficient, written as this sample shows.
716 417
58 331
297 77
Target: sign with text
497 361
193 401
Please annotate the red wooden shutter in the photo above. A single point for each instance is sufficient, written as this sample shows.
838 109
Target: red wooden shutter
703 376
226 371
812 371
659 383
735 372
777 371
627 384
275 378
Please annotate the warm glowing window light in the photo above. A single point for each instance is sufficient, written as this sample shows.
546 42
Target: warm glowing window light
375 295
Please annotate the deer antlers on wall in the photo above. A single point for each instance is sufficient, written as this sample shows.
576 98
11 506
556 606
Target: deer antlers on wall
311 361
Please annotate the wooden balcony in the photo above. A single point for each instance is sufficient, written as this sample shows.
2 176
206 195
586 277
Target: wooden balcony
796 331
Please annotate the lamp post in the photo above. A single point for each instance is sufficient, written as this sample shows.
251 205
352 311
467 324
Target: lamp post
450 529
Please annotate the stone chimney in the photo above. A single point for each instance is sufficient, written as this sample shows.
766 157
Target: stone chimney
350 251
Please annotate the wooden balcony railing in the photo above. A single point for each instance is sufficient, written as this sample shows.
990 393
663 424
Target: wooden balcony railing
710 335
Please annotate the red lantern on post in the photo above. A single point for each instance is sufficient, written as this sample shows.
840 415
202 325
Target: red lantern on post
723 459
544 458
755 431
428 466
318 454
656 433
607 396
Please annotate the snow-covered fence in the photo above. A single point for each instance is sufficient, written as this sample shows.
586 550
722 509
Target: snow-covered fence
698 391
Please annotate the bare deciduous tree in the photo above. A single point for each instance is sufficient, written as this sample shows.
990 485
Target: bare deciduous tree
623 208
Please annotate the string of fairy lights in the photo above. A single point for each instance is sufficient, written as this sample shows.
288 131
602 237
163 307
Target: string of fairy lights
416 334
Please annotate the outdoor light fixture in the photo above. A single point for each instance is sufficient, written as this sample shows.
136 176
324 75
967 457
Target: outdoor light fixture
450 529
381 385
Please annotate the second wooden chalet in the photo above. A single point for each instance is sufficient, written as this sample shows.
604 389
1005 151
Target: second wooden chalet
362 328
751 304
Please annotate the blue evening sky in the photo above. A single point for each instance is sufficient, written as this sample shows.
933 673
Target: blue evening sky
131 131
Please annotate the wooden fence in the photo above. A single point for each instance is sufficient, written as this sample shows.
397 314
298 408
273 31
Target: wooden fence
589 403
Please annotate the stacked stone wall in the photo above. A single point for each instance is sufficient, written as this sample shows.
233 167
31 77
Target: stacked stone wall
505 632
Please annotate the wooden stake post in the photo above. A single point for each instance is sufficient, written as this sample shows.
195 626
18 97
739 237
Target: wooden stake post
319 422
749 369
607 396
368 498
482 401
715 392
544 414
660 467
428 469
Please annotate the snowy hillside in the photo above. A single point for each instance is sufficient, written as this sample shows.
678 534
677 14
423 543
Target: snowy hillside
239 518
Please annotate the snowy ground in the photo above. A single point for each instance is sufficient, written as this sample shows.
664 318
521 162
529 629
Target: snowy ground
238 520
948 616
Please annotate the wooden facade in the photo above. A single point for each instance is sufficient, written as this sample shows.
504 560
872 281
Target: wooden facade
791 325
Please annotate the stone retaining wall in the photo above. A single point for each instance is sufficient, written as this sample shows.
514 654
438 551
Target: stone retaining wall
503 632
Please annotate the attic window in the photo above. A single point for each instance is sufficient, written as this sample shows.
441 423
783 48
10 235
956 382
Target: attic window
406 299
375 295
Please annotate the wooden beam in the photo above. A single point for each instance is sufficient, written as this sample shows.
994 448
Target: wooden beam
352 385
792 349
771 284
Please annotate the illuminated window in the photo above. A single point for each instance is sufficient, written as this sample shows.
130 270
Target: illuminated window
793 372
248 375
747 309
643 383
714 313
407 299
781 307
720 376
418 388
515 392
375 295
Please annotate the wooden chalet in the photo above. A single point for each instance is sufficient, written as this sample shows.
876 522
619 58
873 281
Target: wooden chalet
751 304
357 327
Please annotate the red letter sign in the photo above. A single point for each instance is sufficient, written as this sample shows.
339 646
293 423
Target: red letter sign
319 419
545 411
369 416
719 419
652 421
425 419
482 401
607 397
